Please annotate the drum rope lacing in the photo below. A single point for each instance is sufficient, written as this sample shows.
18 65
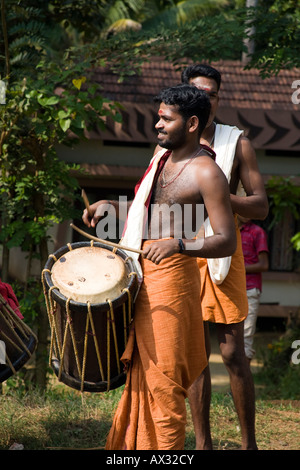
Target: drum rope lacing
95 340
50 311
12 321
55 345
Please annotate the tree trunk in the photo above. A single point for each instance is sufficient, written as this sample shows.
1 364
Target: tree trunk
5 251
42 321
42 332
4 29
5 264
249 42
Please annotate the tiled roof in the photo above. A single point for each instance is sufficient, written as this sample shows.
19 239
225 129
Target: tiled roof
240 88
262 107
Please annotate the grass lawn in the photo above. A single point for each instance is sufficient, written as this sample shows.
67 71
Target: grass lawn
63 418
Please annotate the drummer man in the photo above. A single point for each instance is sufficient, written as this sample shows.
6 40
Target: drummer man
166 350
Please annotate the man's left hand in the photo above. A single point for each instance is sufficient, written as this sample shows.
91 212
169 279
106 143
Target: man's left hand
161 249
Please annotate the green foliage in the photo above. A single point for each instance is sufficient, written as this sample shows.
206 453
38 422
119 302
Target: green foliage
284 196
296 241
85 20
176 30
206 39
30 298
276 36
38 114
279 375
174 14
212 34
31 34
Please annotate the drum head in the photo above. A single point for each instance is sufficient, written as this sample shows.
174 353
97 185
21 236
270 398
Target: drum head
90 274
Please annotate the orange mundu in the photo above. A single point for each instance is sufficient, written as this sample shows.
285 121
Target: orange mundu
227 302
165 354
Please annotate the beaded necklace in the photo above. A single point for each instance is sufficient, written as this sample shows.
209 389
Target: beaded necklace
163 183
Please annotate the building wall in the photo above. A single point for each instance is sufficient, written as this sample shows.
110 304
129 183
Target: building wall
97 152
282 288
273 165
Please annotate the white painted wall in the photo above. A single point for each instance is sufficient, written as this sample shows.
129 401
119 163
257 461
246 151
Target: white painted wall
286 293
278 165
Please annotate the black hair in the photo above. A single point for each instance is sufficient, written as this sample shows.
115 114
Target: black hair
190 102
201 70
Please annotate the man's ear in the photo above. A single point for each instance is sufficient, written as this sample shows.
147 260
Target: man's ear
192 124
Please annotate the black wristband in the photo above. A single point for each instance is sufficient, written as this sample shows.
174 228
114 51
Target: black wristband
181 245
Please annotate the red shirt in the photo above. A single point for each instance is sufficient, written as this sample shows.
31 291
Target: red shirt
10 298
254 241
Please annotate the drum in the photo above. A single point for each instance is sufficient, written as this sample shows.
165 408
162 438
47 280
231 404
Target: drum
17 341
89 291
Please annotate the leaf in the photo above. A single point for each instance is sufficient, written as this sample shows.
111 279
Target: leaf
62 114
77 82
296 241
65 124
48 101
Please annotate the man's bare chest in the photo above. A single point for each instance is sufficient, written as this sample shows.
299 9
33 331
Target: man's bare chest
182 190
175 210
172 194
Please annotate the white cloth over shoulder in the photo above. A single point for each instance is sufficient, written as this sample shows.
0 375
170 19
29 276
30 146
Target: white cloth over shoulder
226 138
135 224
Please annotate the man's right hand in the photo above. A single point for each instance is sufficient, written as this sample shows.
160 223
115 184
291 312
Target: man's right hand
96 212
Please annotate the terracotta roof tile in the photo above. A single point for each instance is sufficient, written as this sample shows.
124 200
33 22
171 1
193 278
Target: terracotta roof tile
263 108
239 87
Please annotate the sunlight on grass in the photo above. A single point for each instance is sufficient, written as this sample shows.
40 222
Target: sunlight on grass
63 418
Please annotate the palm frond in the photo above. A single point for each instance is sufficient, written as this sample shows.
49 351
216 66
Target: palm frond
184 11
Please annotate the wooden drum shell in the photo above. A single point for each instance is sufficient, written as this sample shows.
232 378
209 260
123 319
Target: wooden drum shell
82 332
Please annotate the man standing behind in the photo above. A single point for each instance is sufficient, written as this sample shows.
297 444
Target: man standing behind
255 250
223 282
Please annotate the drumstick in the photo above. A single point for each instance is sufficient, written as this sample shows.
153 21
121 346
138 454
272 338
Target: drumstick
86 202
116 245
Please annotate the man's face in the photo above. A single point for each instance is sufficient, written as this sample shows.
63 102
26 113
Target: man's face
210 86
171 127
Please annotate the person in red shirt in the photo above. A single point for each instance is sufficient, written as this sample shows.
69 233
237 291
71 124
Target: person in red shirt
256 256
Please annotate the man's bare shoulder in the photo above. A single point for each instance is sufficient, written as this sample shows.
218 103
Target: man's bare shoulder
207 167
244 148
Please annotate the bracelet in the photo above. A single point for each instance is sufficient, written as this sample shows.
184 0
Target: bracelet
181 245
